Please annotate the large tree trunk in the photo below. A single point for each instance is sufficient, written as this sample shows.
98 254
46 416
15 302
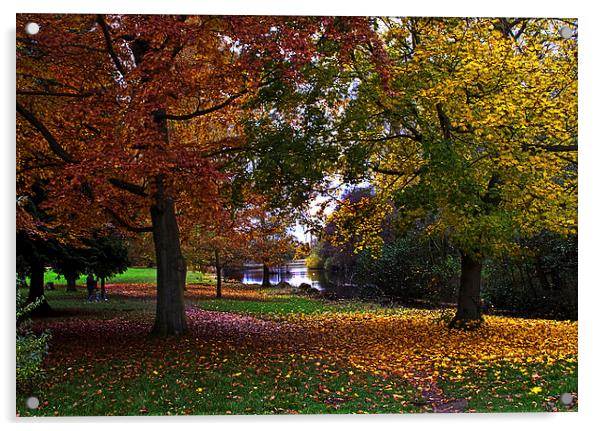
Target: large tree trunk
71 279
218 275
36 289
468 313
170 318
266 276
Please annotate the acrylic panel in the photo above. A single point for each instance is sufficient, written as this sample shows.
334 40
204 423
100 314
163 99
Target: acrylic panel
260 215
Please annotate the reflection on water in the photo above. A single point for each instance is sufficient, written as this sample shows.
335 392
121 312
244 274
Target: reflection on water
295 273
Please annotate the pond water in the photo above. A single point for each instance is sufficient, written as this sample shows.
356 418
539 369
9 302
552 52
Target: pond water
295 273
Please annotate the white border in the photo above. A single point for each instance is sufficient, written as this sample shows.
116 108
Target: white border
590 298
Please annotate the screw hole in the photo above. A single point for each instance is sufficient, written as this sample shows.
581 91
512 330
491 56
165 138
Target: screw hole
566 399
32 28
566 32
32 403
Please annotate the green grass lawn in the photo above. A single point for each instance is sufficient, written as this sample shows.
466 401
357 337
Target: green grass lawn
509 388
233 384
212 379
278 306
74 304
131 276
125 372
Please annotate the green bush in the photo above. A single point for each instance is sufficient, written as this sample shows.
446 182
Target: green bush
30 347
444 279
541 281
314 261
401 271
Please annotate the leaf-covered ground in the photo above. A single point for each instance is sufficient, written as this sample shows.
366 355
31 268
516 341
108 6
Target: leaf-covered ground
268 352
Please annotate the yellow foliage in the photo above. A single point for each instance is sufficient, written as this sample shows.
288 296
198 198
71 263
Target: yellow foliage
412 343
478 111
360 223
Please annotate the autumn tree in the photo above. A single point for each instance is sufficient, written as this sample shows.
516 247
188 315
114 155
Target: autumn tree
270 243
221 239
473 131
110 79
131 117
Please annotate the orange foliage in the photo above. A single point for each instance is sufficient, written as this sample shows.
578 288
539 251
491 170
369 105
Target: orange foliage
107 105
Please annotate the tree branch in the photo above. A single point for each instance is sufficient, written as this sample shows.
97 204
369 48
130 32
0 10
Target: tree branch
226 151
31 167
127 186
416 138
121 221
66 157
554 148
383 171
107 35
52 93
387 171
52 142
444 122
201 112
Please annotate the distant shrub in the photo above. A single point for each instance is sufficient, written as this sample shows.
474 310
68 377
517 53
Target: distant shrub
401 271
444 278
539 282
314 261
30 347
